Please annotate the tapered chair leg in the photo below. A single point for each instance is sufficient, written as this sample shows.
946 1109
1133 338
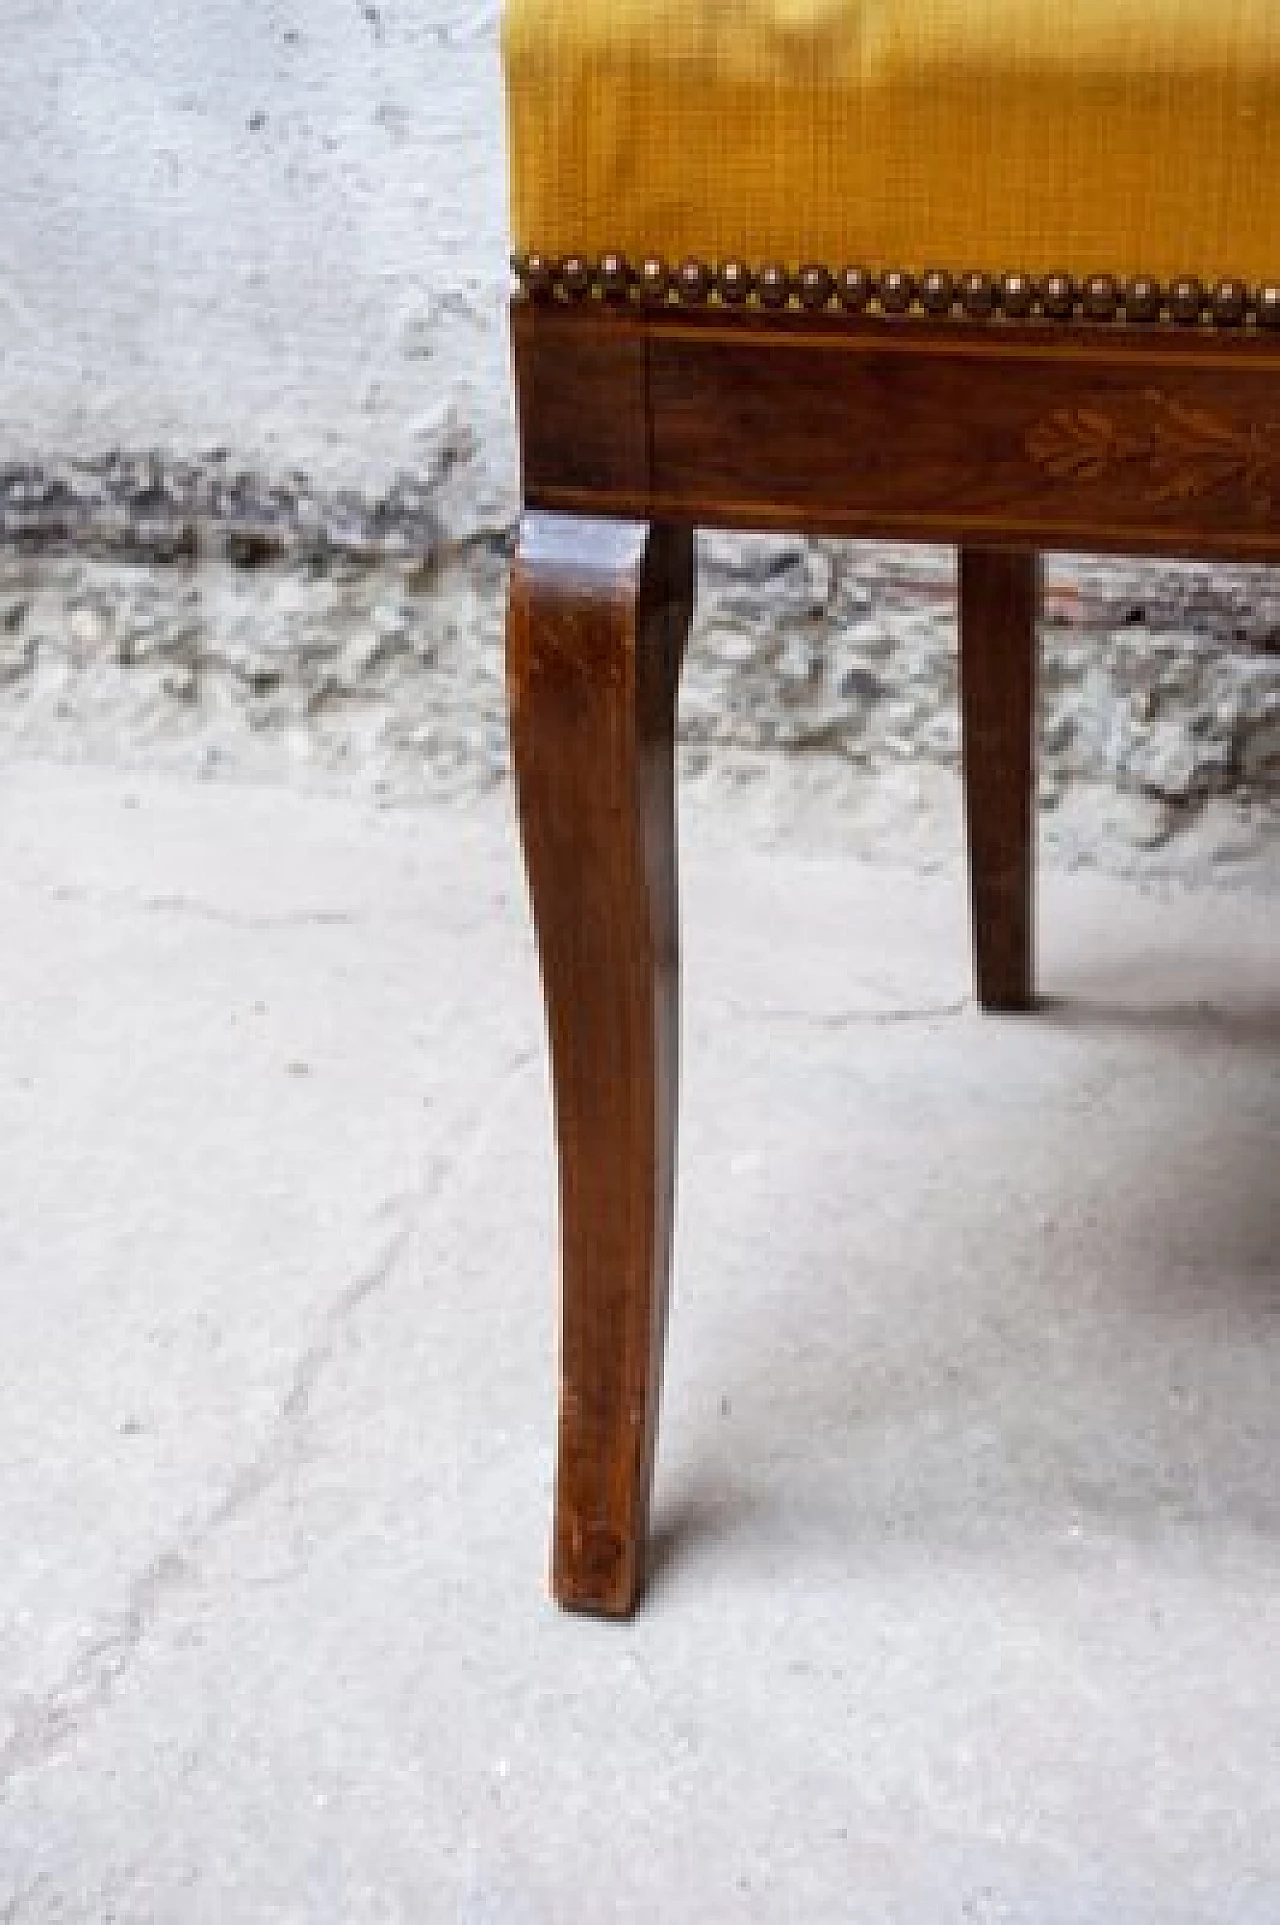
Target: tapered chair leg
598 619
999 653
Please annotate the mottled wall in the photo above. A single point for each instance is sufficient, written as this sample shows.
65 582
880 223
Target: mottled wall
264 246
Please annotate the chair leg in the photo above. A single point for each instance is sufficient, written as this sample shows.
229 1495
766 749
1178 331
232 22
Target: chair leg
999 612
598 619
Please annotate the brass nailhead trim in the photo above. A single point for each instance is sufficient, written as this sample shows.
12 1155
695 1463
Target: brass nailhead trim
978 294
773 285
694 282
1101 297
577 277
615 277
655 282
1143 299
1185 302
855 289
537 275
1018 295
817 285
735 282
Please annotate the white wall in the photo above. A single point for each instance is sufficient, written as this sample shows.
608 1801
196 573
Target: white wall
276 225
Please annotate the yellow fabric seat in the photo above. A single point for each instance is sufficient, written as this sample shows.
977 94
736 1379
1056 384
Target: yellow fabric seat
1038 136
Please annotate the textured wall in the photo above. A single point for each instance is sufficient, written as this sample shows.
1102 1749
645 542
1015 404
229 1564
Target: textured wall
272 225
263 246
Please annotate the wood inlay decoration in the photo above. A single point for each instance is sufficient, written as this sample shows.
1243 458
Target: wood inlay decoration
1171 450
1011 415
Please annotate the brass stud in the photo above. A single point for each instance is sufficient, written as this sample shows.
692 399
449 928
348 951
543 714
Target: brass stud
774 286
694 283
1186 300
897 291
978 295
734 282
1143 299
538 275
816 288
1101 297
655 281
1018 295
1230 303
576 277
854 287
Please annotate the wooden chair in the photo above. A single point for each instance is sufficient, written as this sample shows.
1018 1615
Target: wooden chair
990 274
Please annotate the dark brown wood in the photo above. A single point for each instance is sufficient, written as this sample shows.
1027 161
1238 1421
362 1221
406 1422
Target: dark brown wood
1000 593
1041 435
581 402
968 440
640 418
599 615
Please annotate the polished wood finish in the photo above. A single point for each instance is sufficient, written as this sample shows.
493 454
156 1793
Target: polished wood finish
599 615
1094 436
1009 418
1000 592
582 405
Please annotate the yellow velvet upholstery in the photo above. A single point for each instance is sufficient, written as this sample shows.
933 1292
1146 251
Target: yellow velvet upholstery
1086 136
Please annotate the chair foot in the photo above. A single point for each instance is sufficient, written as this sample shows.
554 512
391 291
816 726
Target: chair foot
598 618
1000 593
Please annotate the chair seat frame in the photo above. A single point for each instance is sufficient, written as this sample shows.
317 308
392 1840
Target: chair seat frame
1008 418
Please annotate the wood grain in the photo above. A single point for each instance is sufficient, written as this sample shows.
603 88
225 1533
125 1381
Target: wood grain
1042 435
1007 438
598 619
1000 594
581 399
